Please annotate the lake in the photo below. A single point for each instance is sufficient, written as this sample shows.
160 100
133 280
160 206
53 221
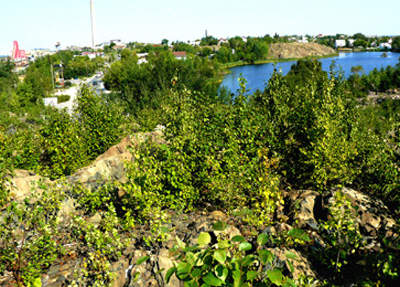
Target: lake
258 75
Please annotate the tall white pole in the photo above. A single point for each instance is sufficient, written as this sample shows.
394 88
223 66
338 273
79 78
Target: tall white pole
93 23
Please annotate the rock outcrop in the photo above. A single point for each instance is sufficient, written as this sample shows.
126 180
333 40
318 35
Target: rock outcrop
107 167
303 209
110 165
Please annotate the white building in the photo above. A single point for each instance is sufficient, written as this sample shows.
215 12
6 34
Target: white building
303 40
385 46
340 44
195 43
222 41
50 101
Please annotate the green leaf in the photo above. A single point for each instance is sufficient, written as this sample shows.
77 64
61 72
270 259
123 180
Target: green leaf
237 278
183 269
37 282
245 246
224 244
208 259
212 280
299 234
220 255
265 256
219 226
142 259
275 276
170 272
136 276
289 283
190 248
247 260
221 272
196 273
291 255
238 238
165 229
262 239
191 258
180 243
291 267
251 275
204 239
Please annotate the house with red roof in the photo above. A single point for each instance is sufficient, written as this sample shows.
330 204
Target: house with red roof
180 55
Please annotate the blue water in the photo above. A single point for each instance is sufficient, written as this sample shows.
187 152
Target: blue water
258 75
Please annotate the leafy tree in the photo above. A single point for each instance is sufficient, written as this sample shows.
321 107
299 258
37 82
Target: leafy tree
147 84
396 44
304 72
224 55
181 46
360 36
39 80
360 43
374 80
206 52
8 79
208 41
99 122
64 148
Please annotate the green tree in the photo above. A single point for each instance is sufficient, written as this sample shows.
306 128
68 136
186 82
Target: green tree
8 79
396 44
360 43
374 80
99 122
64 148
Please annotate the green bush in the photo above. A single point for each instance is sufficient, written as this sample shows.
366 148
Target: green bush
67 84
63 146
63 98
230 262
28 235
100 123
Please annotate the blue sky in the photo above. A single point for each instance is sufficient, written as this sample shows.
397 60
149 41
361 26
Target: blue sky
41 23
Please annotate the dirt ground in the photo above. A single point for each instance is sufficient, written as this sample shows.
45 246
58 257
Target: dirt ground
298 50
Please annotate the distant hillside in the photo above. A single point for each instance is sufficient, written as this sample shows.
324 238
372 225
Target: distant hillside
298 50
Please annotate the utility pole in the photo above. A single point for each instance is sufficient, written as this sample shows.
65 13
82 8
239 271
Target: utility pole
52 74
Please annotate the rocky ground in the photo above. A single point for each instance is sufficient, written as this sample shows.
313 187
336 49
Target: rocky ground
298 50
302 209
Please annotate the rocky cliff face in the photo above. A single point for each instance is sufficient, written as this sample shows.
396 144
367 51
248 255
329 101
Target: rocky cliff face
366 225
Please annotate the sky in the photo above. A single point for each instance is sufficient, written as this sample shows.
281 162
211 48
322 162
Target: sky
42 23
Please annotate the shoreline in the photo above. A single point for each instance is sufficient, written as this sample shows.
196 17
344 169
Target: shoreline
269 61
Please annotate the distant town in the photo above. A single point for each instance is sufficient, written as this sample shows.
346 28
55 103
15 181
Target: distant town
341 42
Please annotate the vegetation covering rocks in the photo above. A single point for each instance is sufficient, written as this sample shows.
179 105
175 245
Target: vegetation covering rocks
296 185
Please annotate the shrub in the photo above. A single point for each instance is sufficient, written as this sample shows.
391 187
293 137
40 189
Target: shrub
99 122
64 148
28 235
229 262
63 98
